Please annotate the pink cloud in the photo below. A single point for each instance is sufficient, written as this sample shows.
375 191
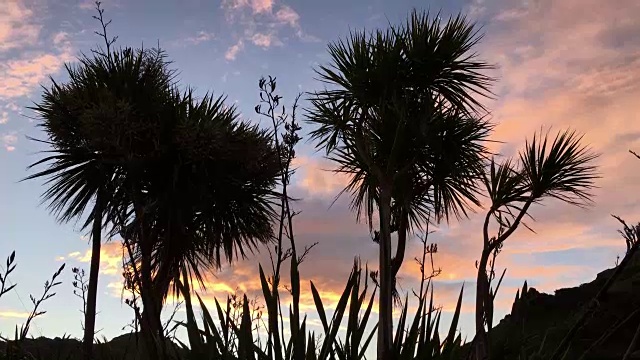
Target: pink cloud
9 141
262 22
12 106
556 68
20 77
91 4
200 37
287 15
17 28
476 8
265 40
60 38
233 51
317 178
257 6
22 73
261 6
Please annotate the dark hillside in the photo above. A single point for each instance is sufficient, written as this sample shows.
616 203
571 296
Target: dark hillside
539 319
119 348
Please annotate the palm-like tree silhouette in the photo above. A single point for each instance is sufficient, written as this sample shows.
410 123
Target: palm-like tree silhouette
208 195
183 180
401 117
563 169
88 122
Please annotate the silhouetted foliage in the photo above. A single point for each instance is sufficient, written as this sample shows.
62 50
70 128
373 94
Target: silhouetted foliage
402 119
563 169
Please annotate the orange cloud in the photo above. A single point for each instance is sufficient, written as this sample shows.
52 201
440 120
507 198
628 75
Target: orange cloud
110 257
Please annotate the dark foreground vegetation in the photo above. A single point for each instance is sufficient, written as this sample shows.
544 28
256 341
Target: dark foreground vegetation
534 317
138 157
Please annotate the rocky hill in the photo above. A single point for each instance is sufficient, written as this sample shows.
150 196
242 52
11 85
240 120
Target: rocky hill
540 321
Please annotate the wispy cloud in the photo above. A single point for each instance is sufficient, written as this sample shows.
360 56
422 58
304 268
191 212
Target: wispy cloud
262 22
233 51
265 40
257 6
87 5
17 25
91 4
200 37
22 71
286 15
19 77
9 141
12 106
13 314
316 176
115 288
61 38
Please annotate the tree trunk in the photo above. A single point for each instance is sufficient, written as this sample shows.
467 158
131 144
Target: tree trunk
151 327
160 286
403 230
92 291
148 328
385 326
481 344
150 316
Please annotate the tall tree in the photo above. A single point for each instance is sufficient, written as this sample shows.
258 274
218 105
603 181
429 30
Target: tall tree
86 121
402 118
184 181
563 169
207 195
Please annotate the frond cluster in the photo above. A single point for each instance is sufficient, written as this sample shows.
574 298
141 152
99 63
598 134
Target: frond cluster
122 128
563 169
401 111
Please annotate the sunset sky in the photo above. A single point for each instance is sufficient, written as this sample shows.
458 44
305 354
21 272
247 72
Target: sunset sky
569 63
